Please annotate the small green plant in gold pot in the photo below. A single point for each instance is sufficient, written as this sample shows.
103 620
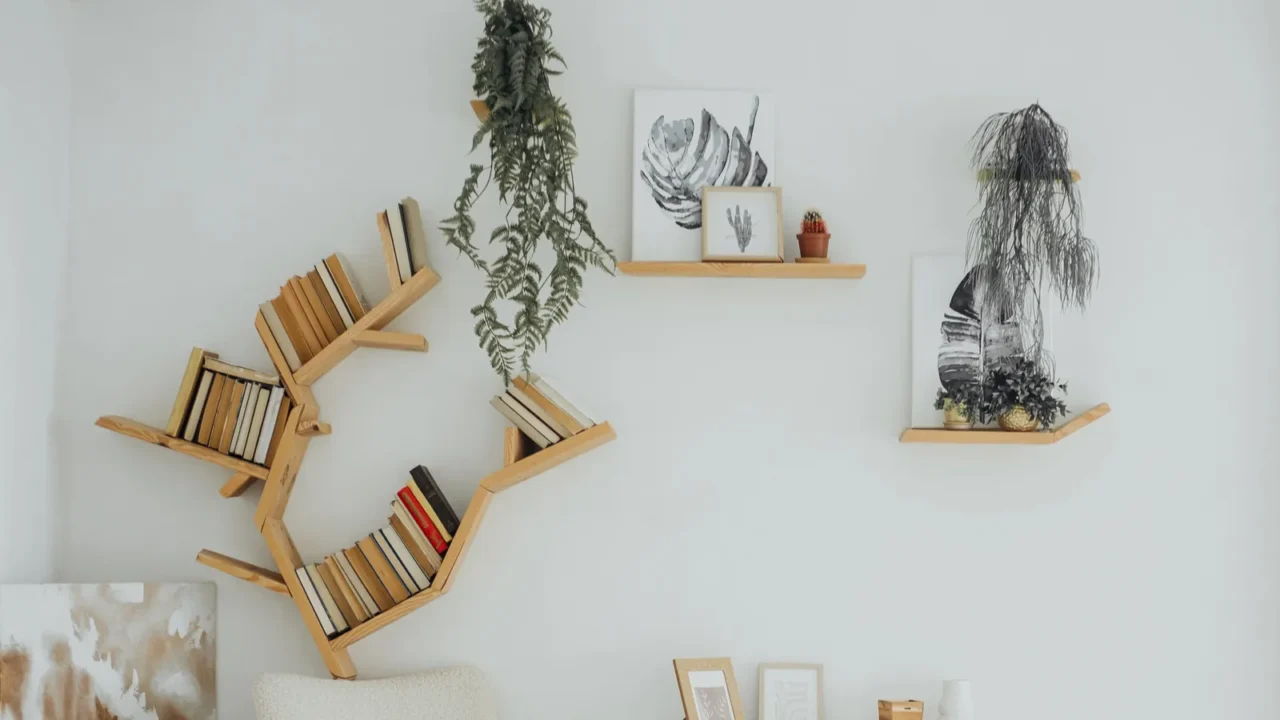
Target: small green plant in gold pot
961 405
1024 397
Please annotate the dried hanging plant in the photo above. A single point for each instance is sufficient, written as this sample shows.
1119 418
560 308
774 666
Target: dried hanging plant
1027 237
532 146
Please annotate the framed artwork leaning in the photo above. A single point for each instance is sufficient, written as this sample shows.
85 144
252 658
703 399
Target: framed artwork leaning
790 691
708 689
742 224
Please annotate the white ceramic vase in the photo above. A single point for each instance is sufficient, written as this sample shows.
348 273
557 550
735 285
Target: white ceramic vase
957 701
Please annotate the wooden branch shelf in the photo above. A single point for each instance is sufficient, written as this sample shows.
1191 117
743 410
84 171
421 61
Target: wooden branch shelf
303 424
517 469
156 436
788 270
1000 437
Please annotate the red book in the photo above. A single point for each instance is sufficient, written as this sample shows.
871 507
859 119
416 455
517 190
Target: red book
419 516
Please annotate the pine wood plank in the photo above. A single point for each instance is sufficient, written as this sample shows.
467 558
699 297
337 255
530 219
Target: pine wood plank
514 446
287 558
390 340
544 460
156 436
237 485
383 619
312 428
1000 437
284 471
260 576
786 270
984 175
375 319
462 539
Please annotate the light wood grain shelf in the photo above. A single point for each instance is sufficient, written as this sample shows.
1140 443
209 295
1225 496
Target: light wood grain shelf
156 436
1000 437
785 270
260 576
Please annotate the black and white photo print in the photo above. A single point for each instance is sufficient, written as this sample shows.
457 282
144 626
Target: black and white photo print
687 140
952 341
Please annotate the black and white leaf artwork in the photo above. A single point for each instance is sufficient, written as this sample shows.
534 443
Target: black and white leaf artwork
680 158
973 340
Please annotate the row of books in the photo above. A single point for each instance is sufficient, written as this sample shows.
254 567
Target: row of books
388 566
233 410
311 311
541 413
404 240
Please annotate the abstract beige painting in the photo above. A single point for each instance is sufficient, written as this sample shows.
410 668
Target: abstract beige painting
108 652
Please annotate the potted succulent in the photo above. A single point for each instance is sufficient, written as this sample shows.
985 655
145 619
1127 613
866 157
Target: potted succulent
1024 397
813 237
961 405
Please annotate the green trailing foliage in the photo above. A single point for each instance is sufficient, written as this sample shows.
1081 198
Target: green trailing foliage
532 147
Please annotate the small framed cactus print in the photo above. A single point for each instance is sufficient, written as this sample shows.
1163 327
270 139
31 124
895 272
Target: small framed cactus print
742 224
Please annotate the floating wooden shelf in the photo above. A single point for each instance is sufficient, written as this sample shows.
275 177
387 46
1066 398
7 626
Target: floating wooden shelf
302 425
985 174
744 270
1000 437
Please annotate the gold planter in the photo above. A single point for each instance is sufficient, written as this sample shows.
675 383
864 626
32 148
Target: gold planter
955 416
1017 419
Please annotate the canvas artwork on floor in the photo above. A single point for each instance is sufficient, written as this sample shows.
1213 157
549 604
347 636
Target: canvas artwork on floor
125 651
686 140
952 340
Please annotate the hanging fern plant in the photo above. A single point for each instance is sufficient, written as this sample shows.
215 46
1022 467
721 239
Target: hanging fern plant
532 147
1028 238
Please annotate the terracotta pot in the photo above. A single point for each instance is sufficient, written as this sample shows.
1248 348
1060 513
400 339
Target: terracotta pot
1017 419
813 245
955 416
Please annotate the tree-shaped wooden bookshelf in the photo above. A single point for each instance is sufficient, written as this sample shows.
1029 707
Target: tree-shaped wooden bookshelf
303 423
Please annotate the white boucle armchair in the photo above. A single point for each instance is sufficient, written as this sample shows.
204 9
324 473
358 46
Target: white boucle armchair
451 693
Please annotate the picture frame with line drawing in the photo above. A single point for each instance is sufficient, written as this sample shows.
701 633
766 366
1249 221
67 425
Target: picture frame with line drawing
708 689
790 691
742 224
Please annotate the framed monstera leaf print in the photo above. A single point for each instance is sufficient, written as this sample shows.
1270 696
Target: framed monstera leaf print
685 141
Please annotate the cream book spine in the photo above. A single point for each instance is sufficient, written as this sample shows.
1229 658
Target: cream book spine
278 332
268 425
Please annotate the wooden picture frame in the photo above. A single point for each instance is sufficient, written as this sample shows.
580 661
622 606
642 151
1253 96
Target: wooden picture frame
698 674
767 712
714 226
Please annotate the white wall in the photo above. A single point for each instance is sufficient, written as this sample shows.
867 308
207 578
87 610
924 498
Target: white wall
757 503
34 187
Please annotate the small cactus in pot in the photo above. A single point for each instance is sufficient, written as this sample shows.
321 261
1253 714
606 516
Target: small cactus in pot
813 236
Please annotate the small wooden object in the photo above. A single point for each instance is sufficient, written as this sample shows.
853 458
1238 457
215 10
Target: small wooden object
302 424
816 261
901 710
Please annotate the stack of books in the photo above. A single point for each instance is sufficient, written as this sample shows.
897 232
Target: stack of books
233 410
404 241
541 413
311 311
385 568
